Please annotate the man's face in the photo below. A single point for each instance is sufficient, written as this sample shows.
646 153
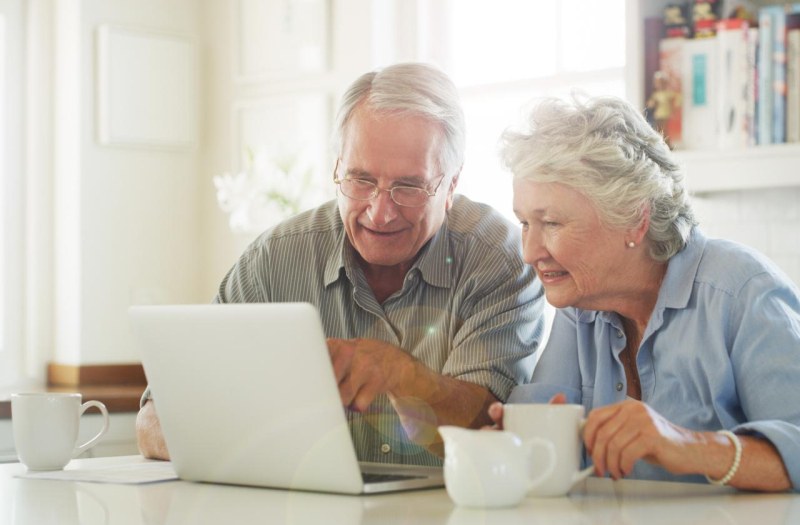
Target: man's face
391 150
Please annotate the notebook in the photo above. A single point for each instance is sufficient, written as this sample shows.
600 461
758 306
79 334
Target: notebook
246 395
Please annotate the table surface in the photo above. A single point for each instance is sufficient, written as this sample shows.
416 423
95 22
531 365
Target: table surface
594 501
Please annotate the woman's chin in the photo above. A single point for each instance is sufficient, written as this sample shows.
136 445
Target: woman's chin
557 300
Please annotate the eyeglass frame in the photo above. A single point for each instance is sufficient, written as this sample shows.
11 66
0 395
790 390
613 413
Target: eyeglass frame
378 189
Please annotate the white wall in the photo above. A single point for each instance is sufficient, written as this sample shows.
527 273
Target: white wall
125 218
767 219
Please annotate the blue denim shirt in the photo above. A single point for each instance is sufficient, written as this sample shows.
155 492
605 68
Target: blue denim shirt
721 351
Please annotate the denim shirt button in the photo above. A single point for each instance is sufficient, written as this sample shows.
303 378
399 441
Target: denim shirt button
619 387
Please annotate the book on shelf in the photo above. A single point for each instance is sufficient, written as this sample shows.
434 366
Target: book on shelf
653 33
793 78
765 74
772 72
732 64
700 59
752 86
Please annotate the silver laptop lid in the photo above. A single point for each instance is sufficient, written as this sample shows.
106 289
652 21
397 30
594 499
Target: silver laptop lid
246 395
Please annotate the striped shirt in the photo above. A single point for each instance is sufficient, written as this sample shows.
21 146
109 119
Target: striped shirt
469 307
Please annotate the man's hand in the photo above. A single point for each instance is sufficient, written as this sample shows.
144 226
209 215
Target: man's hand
423 399
148 433
365 368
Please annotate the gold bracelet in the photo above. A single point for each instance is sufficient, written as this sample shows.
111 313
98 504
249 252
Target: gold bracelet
737 459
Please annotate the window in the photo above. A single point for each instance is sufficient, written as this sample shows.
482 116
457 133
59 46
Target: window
505 53
3 249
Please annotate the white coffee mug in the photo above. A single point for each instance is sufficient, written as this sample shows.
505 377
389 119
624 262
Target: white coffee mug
561 425
46 428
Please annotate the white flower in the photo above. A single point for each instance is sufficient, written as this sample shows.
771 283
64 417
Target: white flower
267 192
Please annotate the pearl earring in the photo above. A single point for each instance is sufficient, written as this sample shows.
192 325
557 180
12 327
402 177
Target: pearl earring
631 244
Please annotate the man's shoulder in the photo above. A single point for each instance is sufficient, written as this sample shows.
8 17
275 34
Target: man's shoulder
480 221
484 240
322 220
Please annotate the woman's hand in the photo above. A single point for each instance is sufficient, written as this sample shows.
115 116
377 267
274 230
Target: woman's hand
617 436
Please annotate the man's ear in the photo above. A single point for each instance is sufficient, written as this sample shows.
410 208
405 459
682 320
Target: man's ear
451 189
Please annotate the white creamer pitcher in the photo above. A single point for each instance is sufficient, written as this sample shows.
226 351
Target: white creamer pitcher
484 468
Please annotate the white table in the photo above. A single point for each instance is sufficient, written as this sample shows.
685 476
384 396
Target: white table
595 501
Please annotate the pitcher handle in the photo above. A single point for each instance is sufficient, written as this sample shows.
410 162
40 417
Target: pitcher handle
92 442
551 461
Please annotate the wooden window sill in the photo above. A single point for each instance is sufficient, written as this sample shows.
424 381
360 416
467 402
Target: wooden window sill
118 387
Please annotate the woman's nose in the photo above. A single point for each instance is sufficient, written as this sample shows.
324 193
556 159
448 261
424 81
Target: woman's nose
532 247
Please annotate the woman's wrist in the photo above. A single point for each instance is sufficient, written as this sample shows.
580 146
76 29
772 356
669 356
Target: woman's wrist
724 467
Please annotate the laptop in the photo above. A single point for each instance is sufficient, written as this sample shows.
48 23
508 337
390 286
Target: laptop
246 395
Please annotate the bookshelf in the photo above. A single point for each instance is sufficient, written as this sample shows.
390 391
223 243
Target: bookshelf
769 166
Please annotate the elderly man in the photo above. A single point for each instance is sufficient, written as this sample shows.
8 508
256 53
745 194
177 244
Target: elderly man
430 311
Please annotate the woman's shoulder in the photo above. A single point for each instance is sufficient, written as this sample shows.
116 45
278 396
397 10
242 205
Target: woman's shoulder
730 266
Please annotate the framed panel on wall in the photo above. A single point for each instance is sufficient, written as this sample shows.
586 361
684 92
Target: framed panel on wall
281 38
147 89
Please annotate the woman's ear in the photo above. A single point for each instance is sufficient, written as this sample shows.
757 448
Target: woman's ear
638 233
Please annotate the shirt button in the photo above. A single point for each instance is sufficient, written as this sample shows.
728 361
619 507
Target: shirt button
619 334
619 387
386 448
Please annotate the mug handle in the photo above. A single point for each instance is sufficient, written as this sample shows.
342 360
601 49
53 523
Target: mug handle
92 442
551 461
582 474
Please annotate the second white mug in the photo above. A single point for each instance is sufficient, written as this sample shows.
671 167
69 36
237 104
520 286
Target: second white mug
560 425
46 428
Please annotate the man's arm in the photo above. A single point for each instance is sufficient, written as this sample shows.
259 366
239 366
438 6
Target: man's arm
148 433
422 398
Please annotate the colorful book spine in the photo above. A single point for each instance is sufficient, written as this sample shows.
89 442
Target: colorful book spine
765 72
772 71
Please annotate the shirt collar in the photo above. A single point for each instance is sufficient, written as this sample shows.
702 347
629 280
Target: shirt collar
435 260
335 264
676 290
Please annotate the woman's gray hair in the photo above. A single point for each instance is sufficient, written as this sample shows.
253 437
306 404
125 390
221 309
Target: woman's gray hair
606 150
414 88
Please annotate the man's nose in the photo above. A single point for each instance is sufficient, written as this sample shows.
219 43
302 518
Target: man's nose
381 209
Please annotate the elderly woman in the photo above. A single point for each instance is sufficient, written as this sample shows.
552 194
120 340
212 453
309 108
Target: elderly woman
685 350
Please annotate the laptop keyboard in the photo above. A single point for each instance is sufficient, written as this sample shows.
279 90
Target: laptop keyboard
370 477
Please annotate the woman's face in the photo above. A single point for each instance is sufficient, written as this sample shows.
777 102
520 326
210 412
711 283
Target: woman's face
580 261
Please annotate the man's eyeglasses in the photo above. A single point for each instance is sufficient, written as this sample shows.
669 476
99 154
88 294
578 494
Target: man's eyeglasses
364 190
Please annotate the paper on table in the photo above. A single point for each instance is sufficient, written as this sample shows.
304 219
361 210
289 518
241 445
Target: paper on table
132 473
